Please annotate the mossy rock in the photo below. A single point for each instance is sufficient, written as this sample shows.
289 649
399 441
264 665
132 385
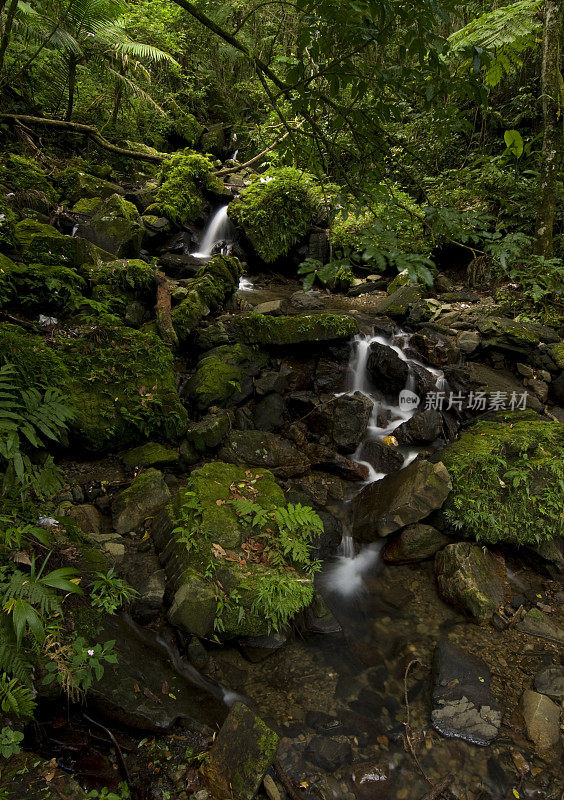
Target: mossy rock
398 304
40 288
121 281
557 354
115 228
470 579
265 329
151 454
510 335
507 478
25 176
277 210
223 375
214 283
204 544
77 184
36 361
44 244
146 495
88 205
182 178
209 432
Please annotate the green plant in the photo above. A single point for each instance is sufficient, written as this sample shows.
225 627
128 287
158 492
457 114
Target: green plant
109 592
27 417
106 794
10 741
336 275
15 698
75 665
179 196
13 534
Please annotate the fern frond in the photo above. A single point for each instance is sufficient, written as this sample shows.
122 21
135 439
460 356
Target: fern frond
15 698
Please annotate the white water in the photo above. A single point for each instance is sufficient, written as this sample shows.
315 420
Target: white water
245 285
345 576
218 230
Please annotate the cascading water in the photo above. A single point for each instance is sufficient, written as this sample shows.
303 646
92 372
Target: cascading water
345 575
218 230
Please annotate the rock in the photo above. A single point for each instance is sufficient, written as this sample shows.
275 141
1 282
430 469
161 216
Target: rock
398 304
264 449
542 719
274 307
318 618
44 244
217 545
399 499
344 419
424 426
114 228
463 706
271 789
259 648
209 432
327 460
88 519
306 301
271 382
328 754
383 457
550 681
268 330
538 624
508 511
492 381
28 775
557 389
241 755
468 341
224 375
434 347
514 337
146 495
387 370
152 590
415 543
469 579
151 454
78 184
268 413
180 265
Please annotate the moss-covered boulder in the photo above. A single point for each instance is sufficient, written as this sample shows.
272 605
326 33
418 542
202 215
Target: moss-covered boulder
264 449
76 184
182 178
88 205
40 288
151 454
224 375
226 576
29 180
399 303
214 283
209 432
240 756
118 283
512 336
265 329
277 210
44 244
114 227
507 478
470 579
146 495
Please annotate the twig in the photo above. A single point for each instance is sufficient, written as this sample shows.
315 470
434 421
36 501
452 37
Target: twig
286 782
438 789
230 170
113 739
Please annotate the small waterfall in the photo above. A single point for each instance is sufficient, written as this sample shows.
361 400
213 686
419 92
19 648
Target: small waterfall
245 285
218 230
234 156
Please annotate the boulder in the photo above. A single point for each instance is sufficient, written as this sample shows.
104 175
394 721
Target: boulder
414 543
44 244
433 347
78 185
241 755
514 337
387 370
343 419
400 499
550 681
307 301
146 495
88 519
323 458
398 304
468 341
328 754
493 381
535 623
274 307
151 454
264 329
470 579
424 426
224 375
114 227
542 720
209 432
264 449
463 706
268 413
383 457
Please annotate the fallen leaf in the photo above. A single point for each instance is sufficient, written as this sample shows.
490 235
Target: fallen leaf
165 688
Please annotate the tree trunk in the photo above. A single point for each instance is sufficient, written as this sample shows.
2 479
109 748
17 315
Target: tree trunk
72 85
7 31
118 96
552 133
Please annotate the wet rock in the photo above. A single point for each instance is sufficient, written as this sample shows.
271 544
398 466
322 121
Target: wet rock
469 579
152 454
152 590
557 389
318 618
274 307
344 419
425 381
323 487
463 706
307 301
146 495
327 460
271 789
224 376
387 370
424 426
268 413
415 543
538 624
398 304
383 457
264 449
30 776
486 379
434 347
512 336
180 265
89 519
258 648
209 432
550 681
243 752
264 329
328 754
271 382
542 719
468 341
400 499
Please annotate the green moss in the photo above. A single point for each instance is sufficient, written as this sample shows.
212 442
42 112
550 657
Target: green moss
151 454
179 197
266 329
40 288
77 184
117 206
507 478
276 214
45 245
88 205
557 353
7 223
133 277
33 356
222 373
24 175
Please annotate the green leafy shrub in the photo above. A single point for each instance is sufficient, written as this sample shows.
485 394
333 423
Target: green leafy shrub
75 665
179 197
24 175
110 592
39 288
10 741
277 210
7 221
337 275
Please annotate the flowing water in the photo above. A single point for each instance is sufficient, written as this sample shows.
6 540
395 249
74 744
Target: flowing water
218 231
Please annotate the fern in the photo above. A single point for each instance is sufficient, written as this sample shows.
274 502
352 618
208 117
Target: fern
12 658
15 699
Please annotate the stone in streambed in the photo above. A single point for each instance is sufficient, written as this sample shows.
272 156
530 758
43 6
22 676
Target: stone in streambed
268 413
469 579
224 375
327 460
400 499
463 706
398 304
241 755
265 329
209 432
434 347
329 754
264 449
152 454
550 681
535 623
383 457
415 543
542 719
344 419
425 426
387 370
146 495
